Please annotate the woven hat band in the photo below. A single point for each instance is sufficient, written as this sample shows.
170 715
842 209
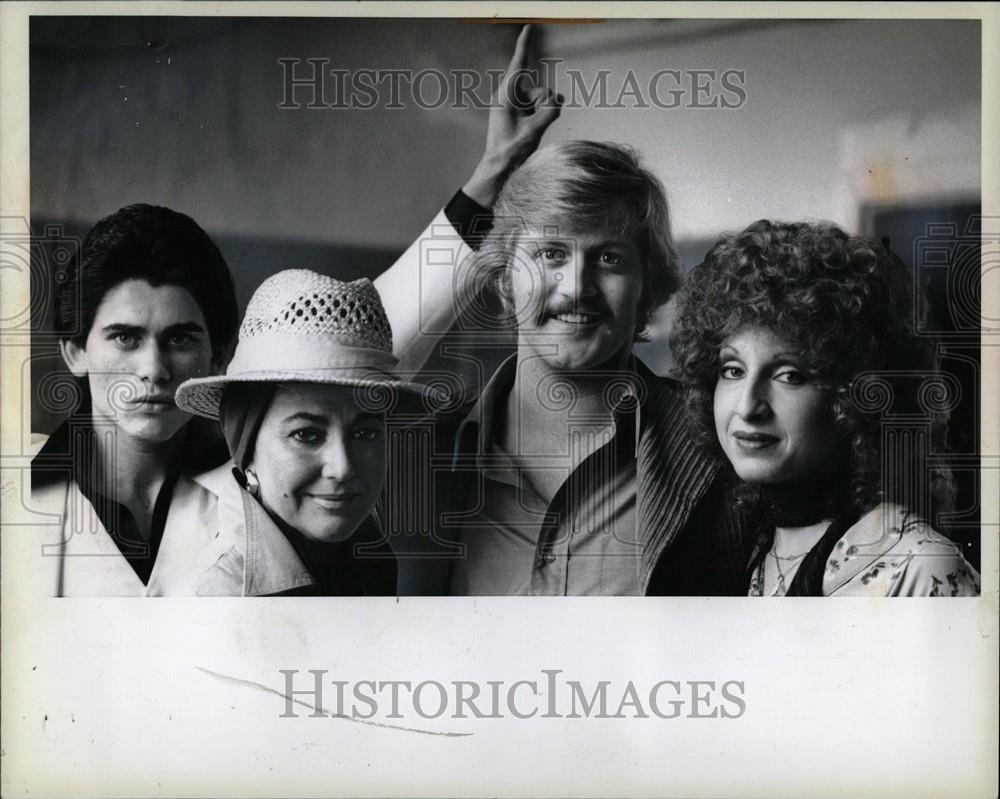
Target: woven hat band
293 352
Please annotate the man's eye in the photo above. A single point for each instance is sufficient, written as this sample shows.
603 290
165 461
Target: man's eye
124 339
791 376
556 255
307 435
181 340
730 372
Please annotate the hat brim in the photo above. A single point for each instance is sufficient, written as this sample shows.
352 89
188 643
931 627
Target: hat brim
202 396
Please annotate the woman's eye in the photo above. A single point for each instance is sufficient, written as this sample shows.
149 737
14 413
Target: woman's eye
366 433
613 258
730 372
307 435
791 376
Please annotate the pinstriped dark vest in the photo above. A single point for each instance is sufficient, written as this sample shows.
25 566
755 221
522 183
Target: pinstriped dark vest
674 474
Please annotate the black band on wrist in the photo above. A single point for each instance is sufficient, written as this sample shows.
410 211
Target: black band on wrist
472 220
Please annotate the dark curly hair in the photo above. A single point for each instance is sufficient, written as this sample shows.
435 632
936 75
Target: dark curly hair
160 246
847 305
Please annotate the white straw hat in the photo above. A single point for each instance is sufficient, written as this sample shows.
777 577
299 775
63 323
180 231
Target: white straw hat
304 327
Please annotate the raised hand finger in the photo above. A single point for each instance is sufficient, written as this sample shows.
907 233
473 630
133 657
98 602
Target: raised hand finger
515 86
520 57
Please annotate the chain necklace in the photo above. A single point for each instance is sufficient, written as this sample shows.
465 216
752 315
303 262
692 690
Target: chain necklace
780 588
776 556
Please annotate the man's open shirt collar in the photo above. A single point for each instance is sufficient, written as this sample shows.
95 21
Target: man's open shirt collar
626 400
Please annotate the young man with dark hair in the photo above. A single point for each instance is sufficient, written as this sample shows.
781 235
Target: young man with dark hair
148 304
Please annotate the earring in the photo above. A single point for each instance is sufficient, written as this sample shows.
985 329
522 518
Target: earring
252 484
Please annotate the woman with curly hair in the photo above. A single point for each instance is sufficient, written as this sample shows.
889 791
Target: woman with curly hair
781 335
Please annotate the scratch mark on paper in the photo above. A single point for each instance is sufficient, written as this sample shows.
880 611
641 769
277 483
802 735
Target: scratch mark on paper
268 689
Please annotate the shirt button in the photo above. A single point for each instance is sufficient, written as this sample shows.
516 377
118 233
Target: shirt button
548 557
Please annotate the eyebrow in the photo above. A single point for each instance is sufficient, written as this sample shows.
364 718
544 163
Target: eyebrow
573 241
315 418
320 419
119 327
185 327
778 356
180 327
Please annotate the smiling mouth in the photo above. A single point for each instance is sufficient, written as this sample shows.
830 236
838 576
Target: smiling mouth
581 318
333 501
755 442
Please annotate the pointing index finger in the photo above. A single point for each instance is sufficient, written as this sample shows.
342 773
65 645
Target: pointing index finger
520 56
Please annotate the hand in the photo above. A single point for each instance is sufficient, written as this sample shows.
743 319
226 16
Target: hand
519 116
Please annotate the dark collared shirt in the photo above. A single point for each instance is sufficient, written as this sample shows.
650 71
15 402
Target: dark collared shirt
584 541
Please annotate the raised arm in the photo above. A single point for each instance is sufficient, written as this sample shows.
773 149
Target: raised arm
431 283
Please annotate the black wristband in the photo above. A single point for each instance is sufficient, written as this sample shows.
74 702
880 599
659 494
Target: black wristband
472 220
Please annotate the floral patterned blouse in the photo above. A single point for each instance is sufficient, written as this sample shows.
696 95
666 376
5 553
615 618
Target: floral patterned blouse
889 552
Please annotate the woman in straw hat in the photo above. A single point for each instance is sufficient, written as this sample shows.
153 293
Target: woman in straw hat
303 408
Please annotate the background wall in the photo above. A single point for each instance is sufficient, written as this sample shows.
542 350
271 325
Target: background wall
184 112
827 101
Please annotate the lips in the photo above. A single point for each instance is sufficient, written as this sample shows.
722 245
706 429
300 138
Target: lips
755 442
333 502
578 318
154 404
